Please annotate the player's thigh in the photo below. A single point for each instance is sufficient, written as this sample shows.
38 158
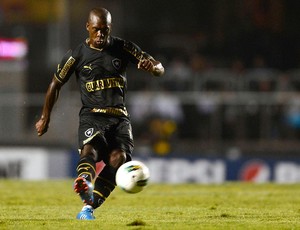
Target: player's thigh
121 138
91 137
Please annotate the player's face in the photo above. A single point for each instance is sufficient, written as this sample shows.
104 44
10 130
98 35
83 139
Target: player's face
99 32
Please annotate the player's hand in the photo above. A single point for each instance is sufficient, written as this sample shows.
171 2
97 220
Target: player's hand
41 126
152 66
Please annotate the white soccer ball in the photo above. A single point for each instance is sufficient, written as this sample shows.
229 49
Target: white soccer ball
132 176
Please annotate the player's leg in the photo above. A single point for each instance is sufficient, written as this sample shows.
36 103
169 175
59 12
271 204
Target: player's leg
86 166
120 141
105 182
86 175
90 138
89 144
86 171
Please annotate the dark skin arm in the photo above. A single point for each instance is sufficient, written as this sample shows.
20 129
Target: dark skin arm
51 97
152 66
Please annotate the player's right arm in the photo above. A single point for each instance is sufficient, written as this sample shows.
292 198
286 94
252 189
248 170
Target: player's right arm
50 99
62 75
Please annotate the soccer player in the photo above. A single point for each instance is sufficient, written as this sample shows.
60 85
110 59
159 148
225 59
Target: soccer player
104 132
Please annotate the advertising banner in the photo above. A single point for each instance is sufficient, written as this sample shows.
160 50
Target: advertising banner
31 163
220 170
34 163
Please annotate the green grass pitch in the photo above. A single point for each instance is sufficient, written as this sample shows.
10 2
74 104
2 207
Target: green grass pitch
53 205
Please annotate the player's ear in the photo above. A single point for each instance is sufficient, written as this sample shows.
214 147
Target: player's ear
87 26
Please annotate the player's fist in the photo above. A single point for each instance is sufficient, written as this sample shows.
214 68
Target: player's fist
152 66
41 126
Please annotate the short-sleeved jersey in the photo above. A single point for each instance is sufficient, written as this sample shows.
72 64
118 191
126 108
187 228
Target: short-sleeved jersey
101 74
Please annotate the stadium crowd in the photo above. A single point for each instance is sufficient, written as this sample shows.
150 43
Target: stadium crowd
202 101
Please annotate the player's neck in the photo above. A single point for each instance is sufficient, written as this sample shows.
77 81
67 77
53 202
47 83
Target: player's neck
97 48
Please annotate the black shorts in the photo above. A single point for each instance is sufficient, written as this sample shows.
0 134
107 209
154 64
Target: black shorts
106 133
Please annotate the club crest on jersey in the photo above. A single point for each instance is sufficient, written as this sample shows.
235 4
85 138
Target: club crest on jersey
89 132
116 63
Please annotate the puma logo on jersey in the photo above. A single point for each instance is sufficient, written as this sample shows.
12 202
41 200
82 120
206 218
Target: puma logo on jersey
88 67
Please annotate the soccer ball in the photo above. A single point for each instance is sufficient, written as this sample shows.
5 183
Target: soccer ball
132 176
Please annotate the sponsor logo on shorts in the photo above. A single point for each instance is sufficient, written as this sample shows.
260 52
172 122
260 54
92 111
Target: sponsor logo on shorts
89 132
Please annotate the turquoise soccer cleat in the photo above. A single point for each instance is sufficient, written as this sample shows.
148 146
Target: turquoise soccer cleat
87 213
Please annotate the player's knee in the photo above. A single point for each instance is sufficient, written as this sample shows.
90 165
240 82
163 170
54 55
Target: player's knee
117 158
89 151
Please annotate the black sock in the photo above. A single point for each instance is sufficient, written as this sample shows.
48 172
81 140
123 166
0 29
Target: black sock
86 168
104 185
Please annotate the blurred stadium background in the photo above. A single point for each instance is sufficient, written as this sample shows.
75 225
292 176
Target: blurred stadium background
228 107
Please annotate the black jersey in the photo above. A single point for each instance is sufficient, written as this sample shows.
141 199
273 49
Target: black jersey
101 74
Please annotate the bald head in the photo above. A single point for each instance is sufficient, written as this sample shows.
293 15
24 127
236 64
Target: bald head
100 13
99 27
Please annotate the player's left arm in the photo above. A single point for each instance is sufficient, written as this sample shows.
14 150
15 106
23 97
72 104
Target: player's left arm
143 60
151 65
